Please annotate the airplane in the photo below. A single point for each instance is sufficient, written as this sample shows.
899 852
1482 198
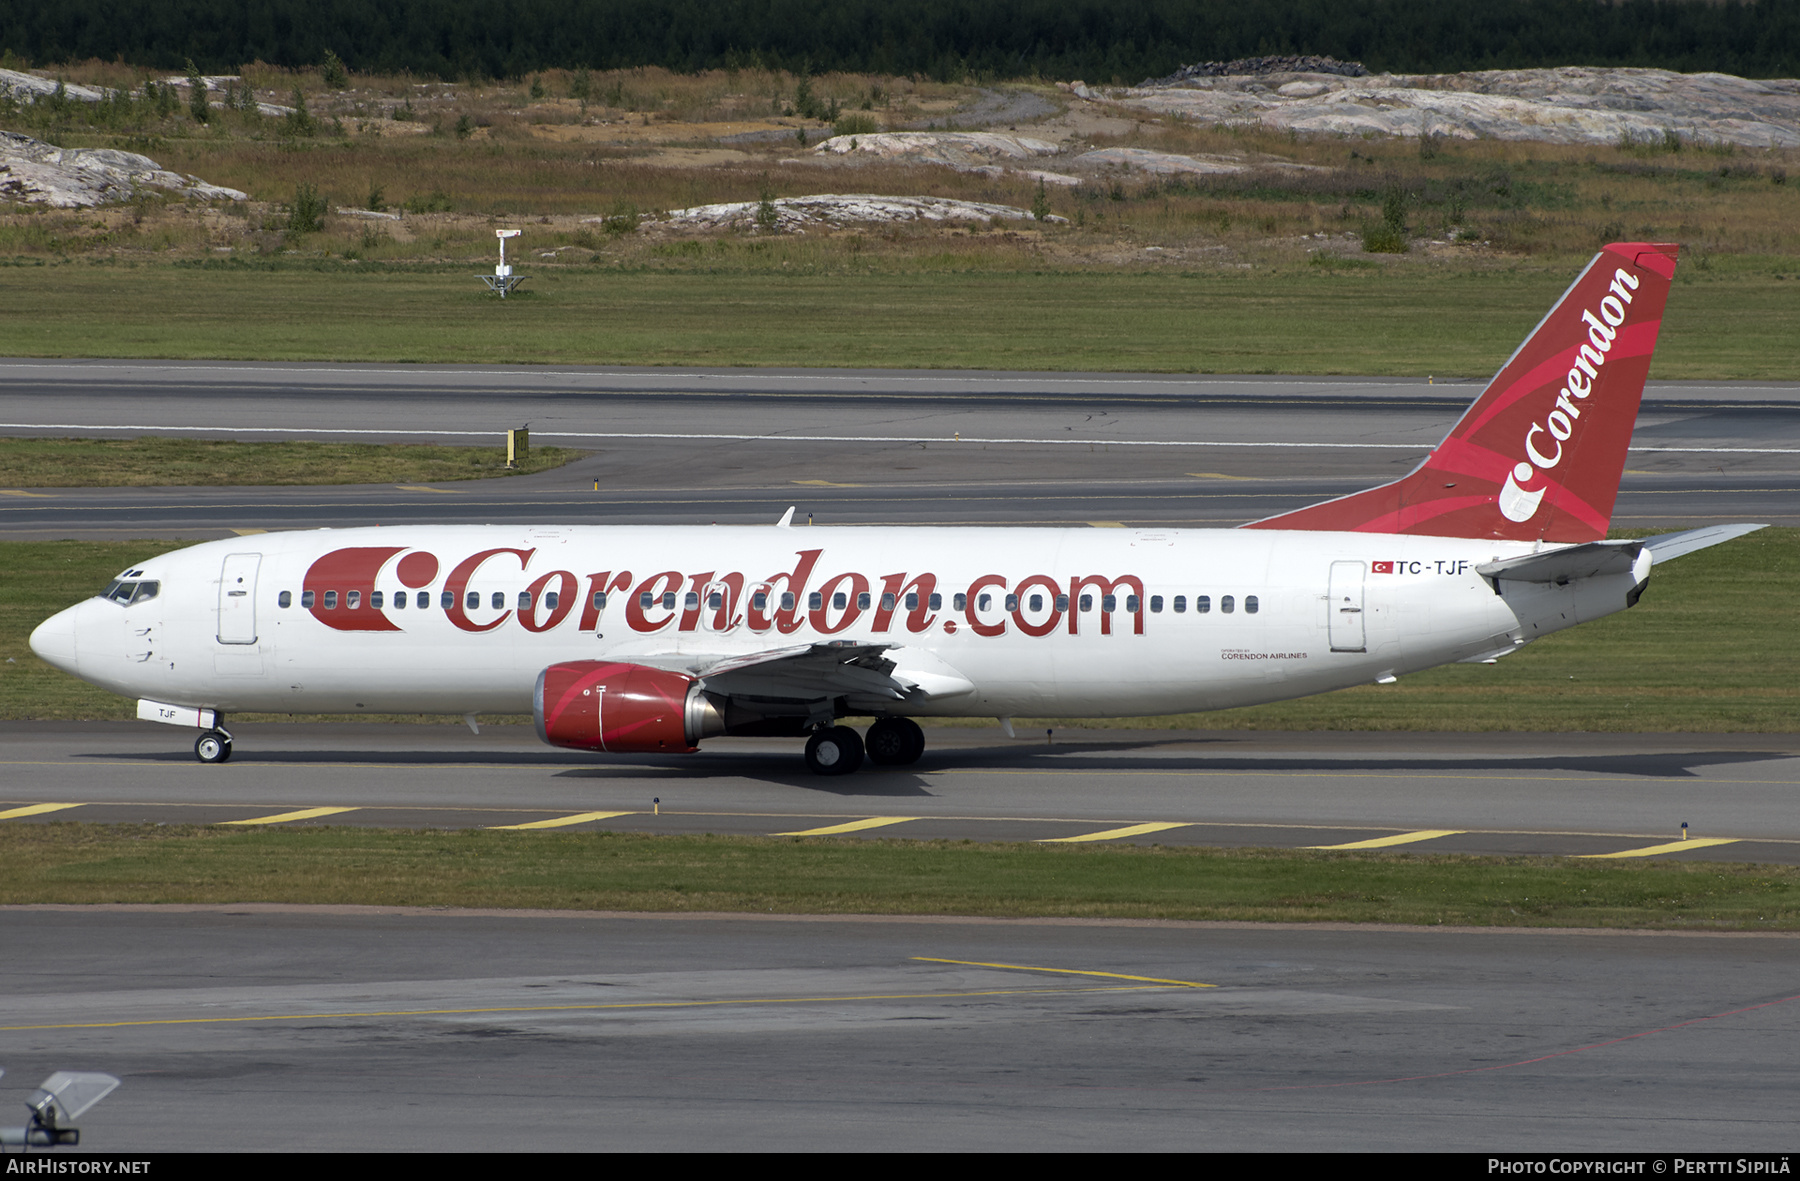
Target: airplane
653 639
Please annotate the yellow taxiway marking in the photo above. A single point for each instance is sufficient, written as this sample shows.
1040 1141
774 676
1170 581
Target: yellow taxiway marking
616 1005
1671 847
1404 838
423 488
1114 834
1218 476
22 492
34 810
248 532
852 826
926 959
1107 524
562 821
825 484
284 817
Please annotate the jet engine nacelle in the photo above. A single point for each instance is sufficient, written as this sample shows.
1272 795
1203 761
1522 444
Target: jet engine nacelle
603 705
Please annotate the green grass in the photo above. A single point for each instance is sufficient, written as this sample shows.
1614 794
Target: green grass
89 863
1711 647
151 462
948 312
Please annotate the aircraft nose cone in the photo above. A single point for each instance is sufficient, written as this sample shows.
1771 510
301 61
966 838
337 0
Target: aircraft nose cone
54 640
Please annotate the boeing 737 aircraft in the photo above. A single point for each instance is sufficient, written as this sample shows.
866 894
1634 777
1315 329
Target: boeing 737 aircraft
654 639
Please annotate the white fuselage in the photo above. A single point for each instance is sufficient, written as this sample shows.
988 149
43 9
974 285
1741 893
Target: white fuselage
243 624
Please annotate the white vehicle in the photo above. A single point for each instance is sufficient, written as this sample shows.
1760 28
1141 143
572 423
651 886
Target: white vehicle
654 639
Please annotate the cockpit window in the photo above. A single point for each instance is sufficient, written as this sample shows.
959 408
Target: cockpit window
124 592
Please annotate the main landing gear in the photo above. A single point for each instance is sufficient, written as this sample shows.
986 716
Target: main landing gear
214 746
838 750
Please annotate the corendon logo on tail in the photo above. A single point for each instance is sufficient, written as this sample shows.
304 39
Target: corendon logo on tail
1544 438
354 590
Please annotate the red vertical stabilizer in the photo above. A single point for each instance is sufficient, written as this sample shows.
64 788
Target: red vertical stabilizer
1539 454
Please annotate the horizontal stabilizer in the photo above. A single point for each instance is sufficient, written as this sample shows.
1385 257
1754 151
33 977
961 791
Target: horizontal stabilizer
1566 565
1672 545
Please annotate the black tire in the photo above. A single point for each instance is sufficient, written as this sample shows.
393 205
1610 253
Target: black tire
837 751
895 742
212 747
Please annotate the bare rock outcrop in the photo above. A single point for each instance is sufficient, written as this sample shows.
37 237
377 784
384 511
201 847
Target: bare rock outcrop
965 150
795 214
1570 104
38 173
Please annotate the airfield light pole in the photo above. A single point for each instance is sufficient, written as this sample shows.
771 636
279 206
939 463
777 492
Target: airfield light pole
503 280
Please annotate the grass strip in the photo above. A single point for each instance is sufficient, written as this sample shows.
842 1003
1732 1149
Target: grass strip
1303 320
155 462
91 863
1711 647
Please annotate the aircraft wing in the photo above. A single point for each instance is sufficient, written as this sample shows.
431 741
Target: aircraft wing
863 671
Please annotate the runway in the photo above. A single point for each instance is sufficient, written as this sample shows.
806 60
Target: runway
1609 795
848 447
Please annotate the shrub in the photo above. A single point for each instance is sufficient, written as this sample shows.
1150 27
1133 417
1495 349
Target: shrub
298 122
855 124
1040 204
196 94
335 75
307 213
623 218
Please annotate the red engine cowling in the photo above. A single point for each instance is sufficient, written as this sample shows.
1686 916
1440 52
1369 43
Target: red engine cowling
601 705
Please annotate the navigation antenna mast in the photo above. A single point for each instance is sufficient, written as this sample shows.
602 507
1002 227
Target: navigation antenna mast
503 280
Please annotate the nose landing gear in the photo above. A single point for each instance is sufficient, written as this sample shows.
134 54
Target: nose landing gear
214 746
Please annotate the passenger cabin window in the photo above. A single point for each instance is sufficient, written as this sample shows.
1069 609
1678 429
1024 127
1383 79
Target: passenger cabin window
1109 603
1202 604
646 599
374 599
1012 602
760 600
399 600
524 600
472 601
787 600
668 600
306 599
862 601
1155 604
551 598
1250 604
447 600
840 601
499 600
888 602
912 601
423 601
715 601
1226 604
815 601
285 599
692 601
331 600
1180 604
353 600
1087 602
937 602
1131 603
984 602
961 602
1062 602
599 600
